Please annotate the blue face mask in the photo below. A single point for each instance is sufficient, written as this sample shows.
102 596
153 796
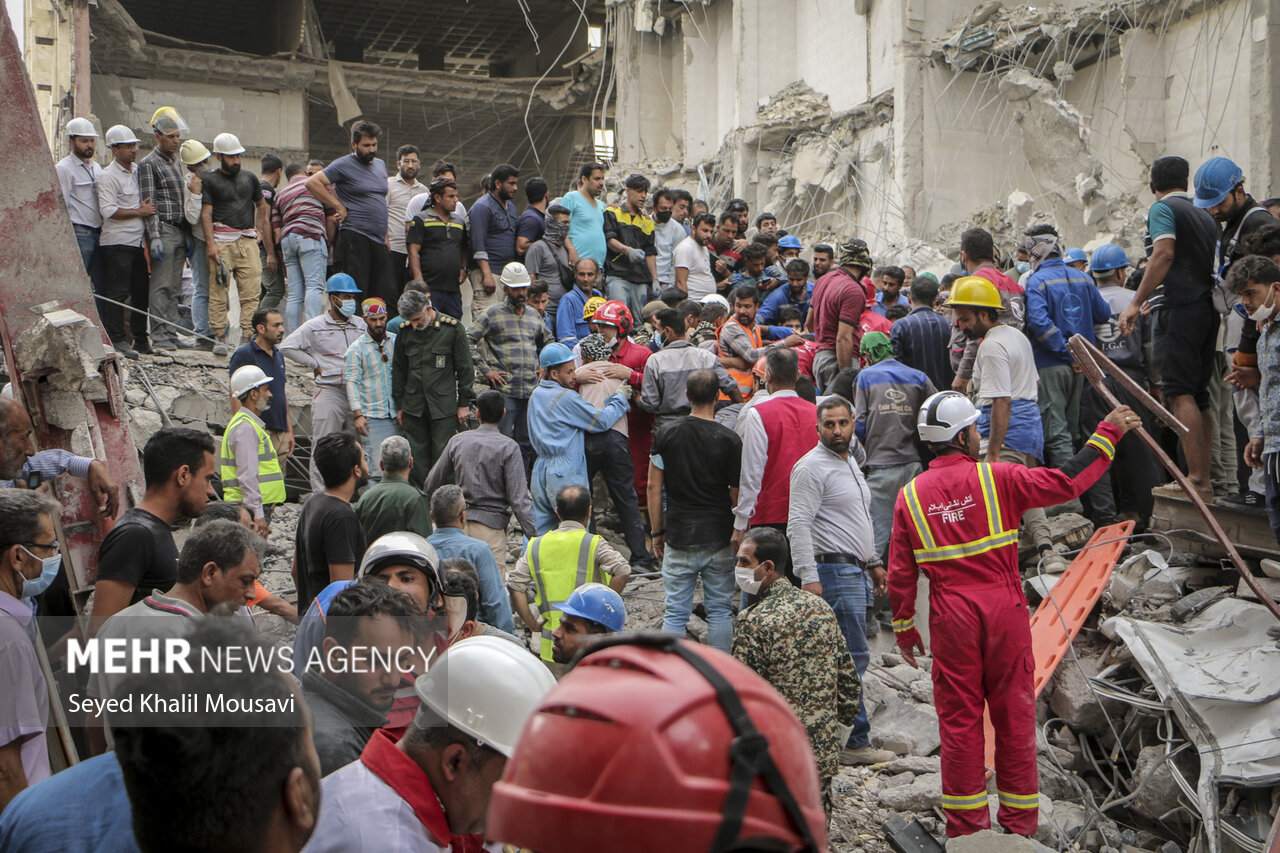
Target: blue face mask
49 567
1024 267
348 308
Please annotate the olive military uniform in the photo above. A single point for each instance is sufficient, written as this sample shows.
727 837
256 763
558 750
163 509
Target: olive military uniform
431 376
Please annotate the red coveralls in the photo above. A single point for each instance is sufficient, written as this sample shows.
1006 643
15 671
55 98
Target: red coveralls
958 522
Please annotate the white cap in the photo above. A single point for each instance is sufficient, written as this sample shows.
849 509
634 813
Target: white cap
487 687
120 135
715 297
246 379
81 127
515 275
227 143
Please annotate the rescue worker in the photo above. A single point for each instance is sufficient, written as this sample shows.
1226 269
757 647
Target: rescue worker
432 380
321 344
958 522
250 469
656 692
430 790
742 341
591 611
558 562
558 417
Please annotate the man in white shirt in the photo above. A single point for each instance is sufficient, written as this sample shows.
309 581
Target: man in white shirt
670 207
123 253
78 176
692 261
402 188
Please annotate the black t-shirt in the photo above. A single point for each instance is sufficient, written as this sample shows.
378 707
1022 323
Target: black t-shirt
139 550
701 461
233 199
440 245
328 532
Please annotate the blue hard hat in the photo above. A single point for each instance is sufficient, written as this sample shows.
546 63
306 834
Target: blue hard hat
598 603
1215 180
553 354
1072 256
1107 258
790 241
341 283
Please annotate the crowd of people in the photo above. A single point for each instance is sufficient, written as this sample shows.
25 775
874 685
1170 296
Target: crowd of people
798 437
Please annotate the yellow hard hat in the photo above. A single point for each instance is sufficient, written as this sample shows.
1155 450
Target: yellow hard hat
974 291
193 152
589 310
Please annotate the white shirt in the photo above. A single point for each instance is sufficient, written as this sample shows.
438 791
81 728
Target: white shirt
399 193
755 452
78 179
697 260
191 204
1005 366
118 190
666 236
323 342
829 510
360 812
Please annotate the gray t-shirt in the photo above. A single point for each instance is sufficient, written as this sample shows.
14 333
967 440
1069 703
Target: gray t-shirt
363 189
547 263
156 616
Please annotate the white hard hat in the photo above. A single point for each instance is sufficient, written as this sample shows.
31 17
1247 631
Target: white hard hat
399 548
246 379
515 275
943 415
227 143
715 297
81 127
487 687
120 135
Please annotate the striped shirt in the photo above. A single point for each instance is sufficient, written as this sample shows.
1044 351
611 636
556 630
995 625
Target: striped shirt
297 211
51 463
78 179
367 372
922 340
161 181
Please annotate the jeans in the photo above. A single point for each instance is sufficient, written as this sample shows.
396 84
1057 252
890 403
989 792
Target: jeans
166 285
844 587
514 424
633 295
379 430
680 572
305 261
87 240
884 483
200 282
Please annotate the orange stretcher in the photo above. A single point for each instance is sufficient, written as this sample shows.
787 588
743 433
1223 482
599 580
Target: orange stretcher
1075 593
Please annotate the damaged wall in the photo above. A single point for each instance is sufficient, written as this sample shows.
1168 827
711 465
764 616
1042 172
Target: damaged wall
996 113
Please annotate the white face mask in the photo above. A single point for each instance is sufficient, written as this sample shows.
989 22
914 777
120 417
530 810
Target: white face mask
1264 311
348 307
746 579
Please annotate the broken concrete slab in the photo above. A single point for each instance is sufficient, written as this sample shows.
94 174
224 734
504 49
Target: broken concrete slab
908 730
1157 786
1071 698
990 841
923 794
918 764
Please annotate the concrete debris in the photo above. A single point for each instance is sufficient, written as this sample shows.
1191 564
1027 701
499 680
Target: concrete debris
922 794
990 841
905 728
1158 788
919 765
1072 699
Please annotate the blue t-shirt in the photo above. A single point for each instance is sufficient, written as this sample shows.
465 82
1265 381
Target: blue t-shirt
586 226
532 224
45 819
363 189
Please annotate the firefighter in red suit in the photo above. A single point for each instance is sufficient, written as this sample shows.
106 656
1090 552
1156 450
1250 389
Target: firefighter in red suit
958 523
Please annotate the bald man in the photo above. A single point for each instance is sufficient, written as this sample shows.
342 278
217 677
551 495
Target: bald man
22 466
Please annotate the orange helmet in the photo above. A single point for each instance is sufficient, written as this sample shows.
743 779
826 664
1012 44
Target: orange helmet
654 743
615 313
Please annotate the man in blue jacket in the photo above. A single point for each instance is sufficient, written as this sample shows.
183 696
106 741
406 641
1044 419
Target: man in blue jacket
1061 301
559 418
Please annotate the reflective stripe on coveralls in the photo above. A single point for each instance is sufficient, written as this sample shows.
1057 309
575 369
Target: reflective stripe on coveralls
558 550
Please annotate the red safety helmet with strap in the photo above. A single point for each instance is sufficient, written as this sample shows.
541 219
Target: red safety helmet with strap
614 313
653 743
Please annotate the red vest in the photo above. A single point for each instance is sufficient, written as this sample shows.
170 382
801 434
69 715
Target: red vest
791 426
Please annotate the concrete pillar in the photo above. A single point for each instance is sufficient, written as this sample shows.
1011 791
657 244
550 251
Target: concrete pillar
1264 94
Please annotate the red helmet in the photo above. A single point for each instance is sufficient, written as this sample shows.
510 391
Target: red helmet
614 313
653 743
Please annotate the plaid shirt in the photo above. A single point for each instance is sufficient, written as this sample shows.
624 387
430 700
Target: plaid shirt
514 341
161 180
367 372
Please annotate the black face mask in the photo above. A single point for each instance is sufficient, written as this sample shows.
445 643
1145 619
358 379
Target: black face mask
663 216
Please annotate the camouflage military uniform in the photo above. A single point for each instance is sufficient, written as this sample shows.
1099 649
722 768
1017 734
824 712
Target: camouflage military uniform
791 638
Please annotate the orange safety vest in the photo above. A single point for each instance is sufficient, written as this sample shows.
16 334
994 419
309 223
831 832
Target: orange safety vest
745 378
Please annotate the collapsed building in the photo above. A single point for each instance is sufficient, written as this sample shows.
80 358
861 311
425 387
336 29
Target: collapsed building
906 121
